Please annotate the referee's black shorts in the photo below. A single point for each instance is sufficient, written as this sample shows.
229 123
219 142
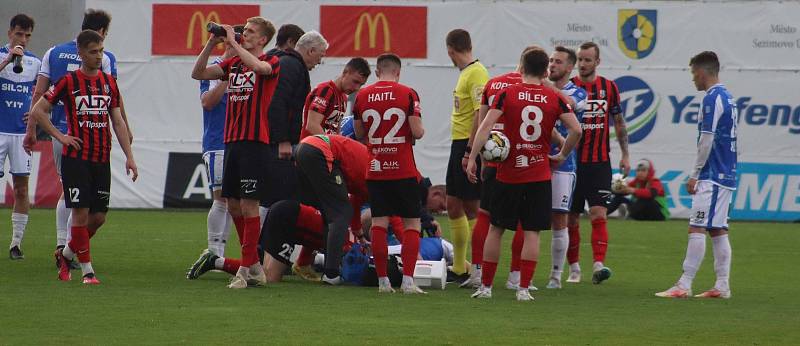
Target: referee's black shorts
457 183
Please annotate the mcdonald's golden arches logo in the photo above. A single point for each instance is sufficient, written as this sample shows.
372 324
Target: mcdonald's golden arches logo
372 27
369 31
180 29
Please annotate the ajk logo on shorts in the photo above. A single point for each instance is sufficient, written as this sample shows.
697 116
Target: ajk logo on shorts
639 106
636 32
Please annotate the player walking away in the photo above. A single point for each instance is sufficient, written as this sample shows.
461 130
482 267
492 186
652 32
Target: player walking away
91 99
463 196
327 103
391 112
214 100
252 78
286 38
58 61
712 181
522 190
562 61
488 174
330 168
15 101
593 184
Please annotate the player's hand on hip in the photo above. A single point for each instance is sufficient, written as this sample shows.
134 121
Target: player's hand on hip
625 166
29 142
71 141
130 169
691 186
284 150
556 160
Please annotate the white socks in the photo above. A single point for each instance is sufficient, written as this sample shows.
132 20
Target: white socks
219 224
722 261
219 263
695 251
62 223
18 223
86 268
514 277
558 250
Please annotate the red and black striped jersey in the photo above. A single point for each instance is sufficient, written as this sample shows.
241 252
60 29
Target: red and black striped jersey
328 100
602 102
88 101
249 97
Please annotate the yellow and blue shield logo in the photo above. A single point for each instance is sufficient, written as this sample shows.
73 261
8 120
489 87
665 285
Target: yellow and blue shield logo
636 32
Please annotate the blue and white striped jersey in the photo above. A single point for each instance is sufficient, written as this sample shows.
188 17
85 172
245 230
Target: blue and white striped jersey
579 96
16 92
719 117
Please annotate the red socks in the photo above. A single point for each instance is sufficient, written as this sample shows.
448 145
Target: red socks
231 265
527 268
573 251
516 248
305 258
397 227
488 269
599 239
409 251
239 223
80 243
252 232
380 250
479 236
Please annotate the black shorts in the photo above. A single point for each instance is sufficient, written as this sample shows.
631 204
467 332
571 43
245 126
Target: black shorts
526 203
457 183
281 179
320 187
394 198
280 233
244 173
592 185
487 186
86 184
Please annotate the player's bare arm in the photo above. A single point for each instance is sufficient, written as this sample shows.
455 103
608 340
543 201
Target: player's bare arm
124 141
477 120
213 97
250 60
42 83
41 115
125 119
481 136
574 132
314 123
358 129
415 123
621 129
201 69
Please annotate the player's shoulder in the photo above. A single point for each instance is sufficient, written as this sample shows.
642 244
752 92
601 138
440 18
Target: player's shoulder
110 55
475 71
31 55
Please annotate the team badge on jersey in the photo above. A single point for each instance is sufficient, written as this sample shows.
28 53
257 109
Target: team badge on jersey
636 32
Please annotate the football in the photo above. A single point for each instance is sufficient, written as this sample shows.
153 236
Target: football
617 182
496 148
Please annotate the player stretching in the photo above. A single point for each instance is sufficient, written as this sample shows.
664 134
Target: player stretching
463 196
562 61
711 182
522 190
327 103
391 112
15 100
252 81
91 99
593 183
214 100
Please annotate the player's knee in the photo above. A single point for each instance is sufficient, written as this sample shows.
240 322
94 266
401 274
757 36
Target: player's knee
597 213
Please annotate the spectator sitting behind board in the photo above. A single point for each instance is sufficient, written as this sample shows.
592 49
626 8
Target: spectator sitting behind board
647 200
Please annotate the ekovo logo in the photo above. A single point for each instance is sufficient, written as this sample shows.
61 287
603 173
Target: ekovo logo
636 32
639 105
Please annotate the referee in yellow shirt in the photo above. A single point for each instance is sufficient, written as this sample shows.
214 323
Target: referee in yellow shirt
462 196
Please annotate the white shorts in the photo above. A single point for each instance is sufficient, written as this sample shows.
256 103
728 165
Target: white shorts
57 149
19 161
710 205
214 162
562 183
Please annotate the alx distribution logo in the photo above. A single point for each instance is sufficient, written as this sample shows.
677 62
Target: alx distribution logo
636 32
639 104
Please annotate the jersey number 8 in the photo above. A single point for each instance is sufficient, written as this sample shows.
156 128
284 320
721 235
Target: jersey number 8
527 122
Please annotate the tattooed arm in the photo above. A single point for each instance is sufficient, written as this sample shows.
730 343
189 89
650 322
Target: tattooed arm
621 130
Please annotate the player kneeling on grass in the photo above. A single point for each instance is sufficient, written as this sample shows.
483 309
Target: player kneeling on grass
91 99
522 192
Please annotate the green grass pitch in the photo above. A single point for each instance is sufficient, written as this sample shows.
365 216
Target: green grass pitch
141 257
